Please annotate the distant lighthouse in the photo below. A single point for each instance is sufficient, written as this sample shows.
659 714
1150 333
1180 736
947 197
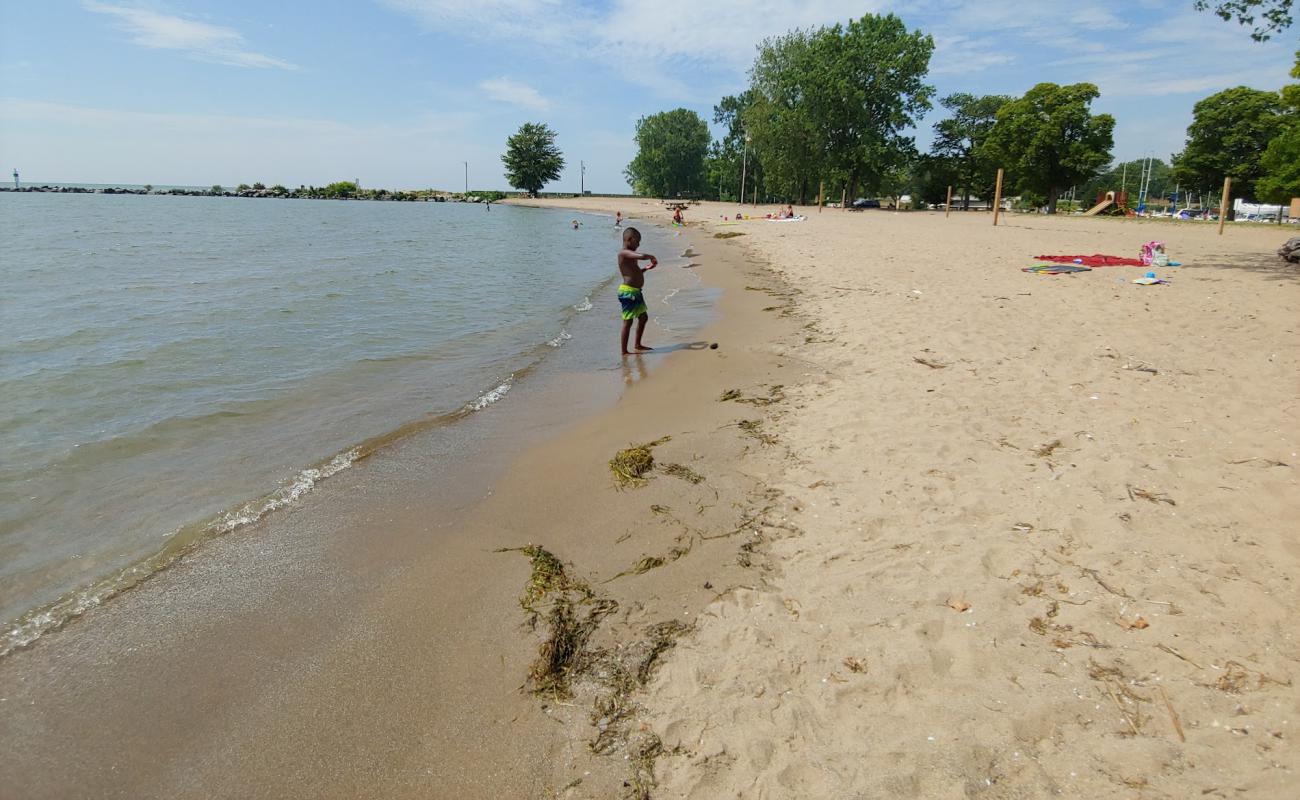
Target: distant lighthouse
15 177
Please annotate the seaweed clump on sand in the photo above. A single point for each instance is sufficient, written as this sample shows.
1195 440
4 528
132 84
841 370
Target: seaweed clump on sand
684 472
574 614
631 464
727 235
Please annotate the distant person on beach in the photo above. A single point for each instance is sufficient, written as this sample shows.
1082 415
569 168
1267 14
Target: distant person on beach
630 299
677 216
618 219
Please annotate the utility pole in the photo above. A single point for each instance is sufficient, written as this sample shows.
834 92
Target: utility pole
466 163
582 179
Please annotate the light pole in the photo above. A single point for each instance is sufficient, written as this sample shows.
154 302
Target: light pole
744 166
582 178
466 163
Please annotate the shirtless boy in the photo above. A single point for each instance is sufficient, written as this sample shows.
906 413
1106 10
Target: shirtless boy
629 294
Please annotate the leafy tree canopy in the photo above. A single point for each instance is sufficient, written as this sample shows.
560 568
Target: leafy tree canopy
532 158
1265 17
1229 132
1049 139
671 149
1281 161
959 140
339 189
833 103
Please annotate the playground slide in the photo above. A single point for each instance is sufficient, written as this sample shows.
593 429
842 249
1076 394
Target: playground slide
1100 207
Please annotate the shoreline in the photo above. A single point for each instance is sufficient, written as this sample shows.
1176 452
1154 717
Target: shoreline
183 647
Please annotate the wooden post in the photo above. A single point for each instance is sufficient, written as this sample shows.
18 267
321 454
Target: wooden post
1223 203
821 195
947 207
997 199
844 195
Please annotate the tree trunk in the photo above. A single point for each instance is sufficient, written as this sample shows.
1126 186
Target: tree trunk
803 192
1051 200
965 200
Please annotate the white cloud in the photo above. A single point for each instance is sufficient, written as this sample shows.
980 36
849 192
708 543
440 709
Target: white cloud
505 90
197 39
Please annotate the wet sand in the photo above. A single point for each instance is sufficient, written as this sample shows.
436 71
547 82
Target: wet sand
370 642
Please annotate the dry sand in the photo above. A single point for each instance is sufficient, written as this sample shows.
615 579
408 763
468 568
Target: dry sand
1047 526
1056 559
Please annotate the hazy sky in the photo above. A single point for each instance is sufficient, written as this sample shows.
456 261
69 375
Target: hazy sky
399 93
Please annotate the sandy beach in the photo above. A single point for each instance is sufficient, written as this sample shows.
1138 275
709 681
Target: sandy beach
370 641
1044 528
955 530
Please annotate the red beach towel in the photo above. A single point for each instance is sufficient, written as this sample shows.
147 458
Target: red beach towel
1095 260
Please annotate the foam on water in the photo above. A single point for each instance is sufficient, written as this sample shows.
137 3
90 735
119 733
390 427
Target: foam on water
301 484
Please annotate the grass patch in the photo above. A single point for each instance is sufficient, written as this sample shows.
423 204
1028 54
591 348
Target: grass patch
631 465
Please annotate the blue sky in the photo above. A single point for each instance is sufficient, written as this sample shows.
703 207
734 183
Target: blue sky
399 93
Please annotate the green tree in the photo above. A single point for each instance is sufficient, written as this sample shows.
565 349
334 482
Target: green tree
1265 17
532 158
728 162
787 152
671 148
1229 132
217 189
1281 161
960 139
1049 140
258 186
339 189
834 103
930 176
243 187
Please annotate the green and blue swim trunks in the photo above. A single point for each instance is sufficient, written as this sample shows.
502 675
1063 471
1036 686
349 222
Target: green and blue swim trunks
631 300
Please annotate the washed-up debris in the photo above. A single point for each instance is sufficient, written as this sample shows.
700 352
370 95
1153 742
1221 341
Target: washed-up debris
631 464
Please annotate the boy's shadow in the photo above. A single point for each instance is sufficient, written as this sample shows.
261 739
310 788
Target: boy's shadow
672 348
634 365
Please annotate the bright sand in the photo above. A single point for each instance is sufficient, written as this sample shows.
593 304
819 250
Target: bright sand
1047 526
962 577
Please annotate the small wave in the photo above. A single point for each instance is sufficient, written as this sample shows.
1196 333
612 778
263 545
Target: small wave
559 341
302 483
34 624
585 305
489 397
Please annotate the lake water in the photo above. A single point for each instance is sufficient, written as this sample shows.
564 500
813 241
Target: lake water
176 367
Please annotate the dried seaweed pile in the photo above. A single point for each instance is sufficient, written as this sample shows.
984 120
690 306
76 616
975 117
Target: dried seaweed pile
632 464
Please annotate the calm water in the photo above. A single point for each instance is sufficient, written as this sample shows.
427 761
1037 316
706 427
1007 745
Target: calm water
175 366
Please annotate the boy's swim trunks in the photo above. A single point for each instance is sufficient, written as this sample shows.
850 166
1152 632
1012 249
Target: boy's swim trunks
631 301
